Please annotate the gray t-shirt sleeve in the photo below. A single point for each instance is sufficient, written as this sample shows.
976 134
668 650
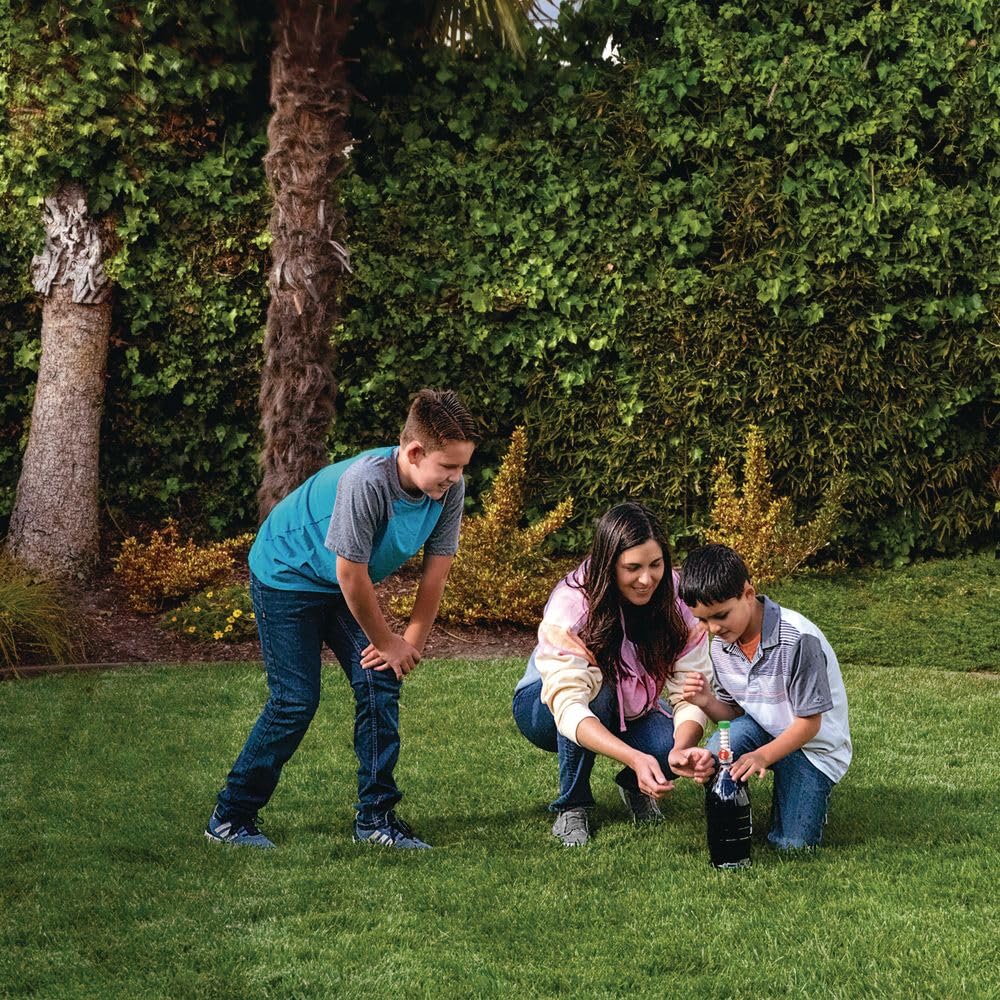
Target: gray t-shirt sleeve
443 540
360 509
808 680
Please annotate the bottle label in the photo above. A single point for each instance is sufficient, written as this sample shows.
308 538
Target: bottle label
725 755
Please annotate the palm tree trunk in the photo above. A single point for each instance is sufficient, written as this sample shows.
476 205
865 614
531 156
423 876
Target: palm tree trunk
308 144
54 525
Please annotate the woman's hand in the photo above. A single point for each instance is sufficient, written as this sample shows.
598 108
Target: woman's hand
650 776
696 763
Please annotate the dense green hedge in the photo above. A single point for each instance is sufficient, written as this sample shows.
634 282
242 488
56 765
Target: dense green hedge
778 212
159 111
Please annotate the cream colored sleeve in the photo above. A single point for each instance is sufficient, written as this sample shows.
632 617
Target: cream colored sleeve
569 682
695 659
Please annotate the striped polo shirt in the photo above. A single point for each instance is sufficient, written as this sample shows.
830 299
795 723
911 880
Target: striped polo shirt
793 673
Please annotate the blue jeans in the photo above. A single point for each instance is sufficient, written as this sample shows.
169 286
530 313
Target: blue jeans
652 734
293 625
801 791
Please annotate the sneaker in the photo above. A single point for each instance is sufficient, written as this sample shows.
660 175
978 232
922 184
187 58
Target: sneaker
643 808
239 833
391 832
572 827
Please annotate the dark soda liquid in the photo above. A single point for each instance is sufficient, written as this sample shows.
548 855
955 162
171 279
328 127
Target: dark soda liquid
729 821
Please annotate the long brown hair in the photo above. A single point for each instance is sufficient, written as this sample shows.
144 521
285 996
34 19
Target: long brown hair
657 628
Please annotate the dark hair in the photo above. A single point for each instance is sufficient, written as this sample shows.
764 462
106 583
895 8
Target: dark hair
712 574
436 417
657 628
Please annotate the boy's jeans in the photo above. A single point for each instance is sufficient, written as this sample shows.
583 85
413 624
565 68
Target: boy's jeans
293 625
652 734
801 791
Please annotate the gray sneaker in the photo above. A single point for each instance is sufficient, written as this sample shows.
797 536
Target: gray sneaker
572 827
643 808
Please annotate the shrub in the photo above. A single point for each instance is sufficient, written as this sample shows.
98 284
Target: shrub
37 622
165 568
501 573
760 526
223 614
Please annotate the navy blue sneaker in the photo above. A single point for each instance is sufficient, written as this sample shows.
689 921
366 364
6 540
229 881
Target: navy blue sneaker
391 832
239 833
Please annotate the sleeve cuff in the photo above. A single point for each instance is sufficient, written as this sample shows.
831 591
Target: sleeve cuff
571 719
690 713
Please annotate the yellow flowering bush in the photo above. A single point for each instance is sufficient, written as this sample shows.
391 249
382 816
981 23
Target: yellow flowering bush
222 614
760 526
501 573
166 569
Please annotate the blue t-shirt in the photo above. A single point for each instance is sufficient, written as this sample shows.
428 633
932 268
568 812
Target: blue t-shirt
359 510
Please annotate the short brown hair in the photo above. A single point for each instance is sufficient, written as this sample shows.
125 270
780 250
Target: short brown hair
436 417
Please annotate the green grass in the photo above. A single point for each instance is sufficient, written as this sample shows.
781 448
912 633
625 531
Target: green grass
109 890
940 614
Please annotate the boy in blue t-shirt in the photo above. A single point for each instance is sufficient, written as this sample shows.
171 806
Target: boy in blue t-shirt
778 680
313 566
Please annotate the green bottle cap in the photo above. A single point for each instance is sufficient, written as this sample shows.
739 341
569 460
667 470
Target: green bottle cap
723 725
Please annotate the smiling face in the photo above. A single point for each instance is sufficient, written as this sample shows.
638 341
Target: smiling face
638 572
433 472
738 618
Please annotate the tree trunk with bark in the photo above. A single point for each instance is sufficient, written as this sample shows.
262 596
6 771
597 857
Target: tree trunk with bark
308 144
54 525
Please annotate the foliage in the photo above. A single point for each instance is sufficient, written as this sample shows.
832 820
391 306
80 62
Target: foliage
158 110
761 526
501 573
777 212
37 620
165 568
223 614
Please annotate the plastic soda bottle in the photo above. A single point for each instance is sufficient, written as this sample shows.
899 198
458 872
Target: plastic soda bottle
727 812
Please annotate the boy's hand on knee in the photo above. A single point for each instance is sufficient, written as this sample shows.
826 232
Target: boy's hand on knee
749 764
396 655
696 763
650 776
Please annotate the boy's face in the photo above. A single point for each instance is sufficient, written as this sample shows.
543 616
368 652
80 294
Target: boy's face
734 619
435 472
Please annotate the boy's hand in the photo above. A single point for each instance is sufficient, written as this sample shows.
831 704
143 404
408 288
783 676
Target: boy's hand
650 776
396 655
697 690
749 764
696 763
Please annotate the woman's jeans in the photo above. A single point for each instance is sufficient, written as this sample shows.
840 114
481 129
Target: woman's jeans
652 733
801 791
293 626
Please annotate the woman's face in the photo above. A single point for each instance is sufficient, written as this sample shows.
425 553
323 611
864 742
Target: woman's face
638 572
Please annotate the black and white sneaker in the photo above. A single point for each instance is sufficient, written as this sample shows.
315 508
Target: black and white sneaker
390 832
239 833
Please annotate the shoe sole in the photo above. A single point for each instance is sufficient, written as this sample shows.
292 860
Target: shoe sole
212 839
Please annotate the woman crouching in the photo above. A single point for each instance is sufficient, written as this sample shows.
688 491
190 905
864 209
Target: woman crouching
614 637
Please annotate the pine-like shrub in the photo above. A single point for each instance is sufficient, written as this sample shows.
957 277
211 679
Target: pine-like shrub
166 569
501 572
760 525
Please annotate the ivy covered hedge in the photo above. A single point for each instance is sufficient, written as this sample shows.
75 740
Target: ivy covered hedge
774 212
783 213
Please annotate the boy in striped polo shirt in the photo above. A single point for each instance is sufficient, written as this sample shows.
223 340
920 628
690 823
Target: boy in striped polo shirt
778 680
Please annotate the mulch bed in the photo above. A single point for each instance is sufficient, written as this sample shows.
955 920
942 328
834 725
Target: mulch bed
115 634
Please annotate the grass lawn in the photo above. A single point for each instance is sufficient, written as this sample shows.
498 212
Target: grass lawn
109 890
